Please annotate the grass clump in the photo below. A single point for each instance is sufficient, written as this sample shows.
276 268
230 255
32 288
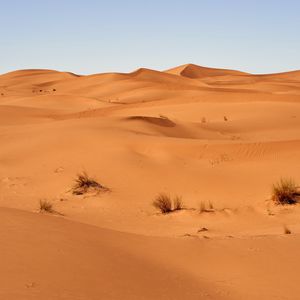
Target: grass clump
285 192
286 230
206 207
166 204
46 206
84 183
163 203
177 203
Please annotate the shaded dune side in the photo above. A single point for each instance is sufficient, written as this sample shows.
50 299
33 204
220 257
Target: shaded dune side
165 127
163 121
40 261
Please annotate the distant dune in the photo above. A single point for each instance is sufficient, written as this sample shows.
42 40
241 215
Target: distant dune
215 139
194 71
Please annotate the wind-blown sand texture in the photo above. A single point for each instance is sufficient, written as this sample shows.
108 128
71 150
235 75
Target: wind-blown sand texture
217 138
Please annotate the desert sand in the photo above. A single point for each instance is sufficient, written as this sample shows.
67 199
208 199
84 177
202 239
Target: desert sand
217 138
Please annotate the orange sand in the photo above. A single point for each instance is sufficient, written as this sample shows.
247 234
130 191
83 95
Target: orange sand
208 135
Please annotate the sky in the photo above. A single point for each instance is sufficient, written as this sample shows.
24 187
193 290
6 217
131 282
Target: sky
95 36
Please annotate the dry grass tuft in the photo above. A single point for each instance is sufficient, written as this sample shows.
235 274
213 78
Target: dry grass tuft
206 207
285 192
177 203
84 183
46 206
202 207
286 230
165 204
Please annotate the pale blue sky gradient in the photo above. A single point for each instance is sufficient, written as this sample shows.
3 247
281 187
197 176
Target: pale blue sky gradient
89 36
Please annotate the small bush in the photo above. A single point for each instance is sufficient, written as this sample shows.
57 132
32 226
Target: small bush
46 206
202 207
287 230
206 207
84 183
177 203
285 192
163 203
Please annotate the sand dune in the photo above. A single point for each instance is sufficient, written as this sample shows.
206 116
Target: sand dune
46 257
218 138
194 71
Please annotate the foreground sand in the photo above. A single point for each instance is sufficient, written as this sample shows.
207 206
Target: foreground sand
211 136
50 258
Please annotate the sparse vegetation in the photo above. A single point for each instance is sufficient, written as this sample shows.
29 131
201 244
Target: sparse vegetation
285 192
177 203
287 230
206 207
202 207
165 204
46 206
84 183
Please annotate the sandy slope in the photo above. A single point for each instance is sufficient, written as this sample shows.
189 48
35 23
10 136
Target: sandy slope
210 135
49 258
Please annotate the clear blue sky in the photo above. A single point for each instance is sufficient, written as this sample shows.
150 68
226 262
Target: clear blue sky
90 36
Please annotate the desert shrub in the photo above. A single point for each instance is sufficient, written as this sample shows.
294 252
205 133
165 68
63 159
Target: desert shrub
285 192
46 206
202 207
166 204
163 203
177 203
286 230
84 183
206 207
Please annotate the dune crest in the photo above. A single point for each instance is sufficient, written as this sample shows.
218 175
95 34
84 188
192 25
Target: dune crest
195 71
